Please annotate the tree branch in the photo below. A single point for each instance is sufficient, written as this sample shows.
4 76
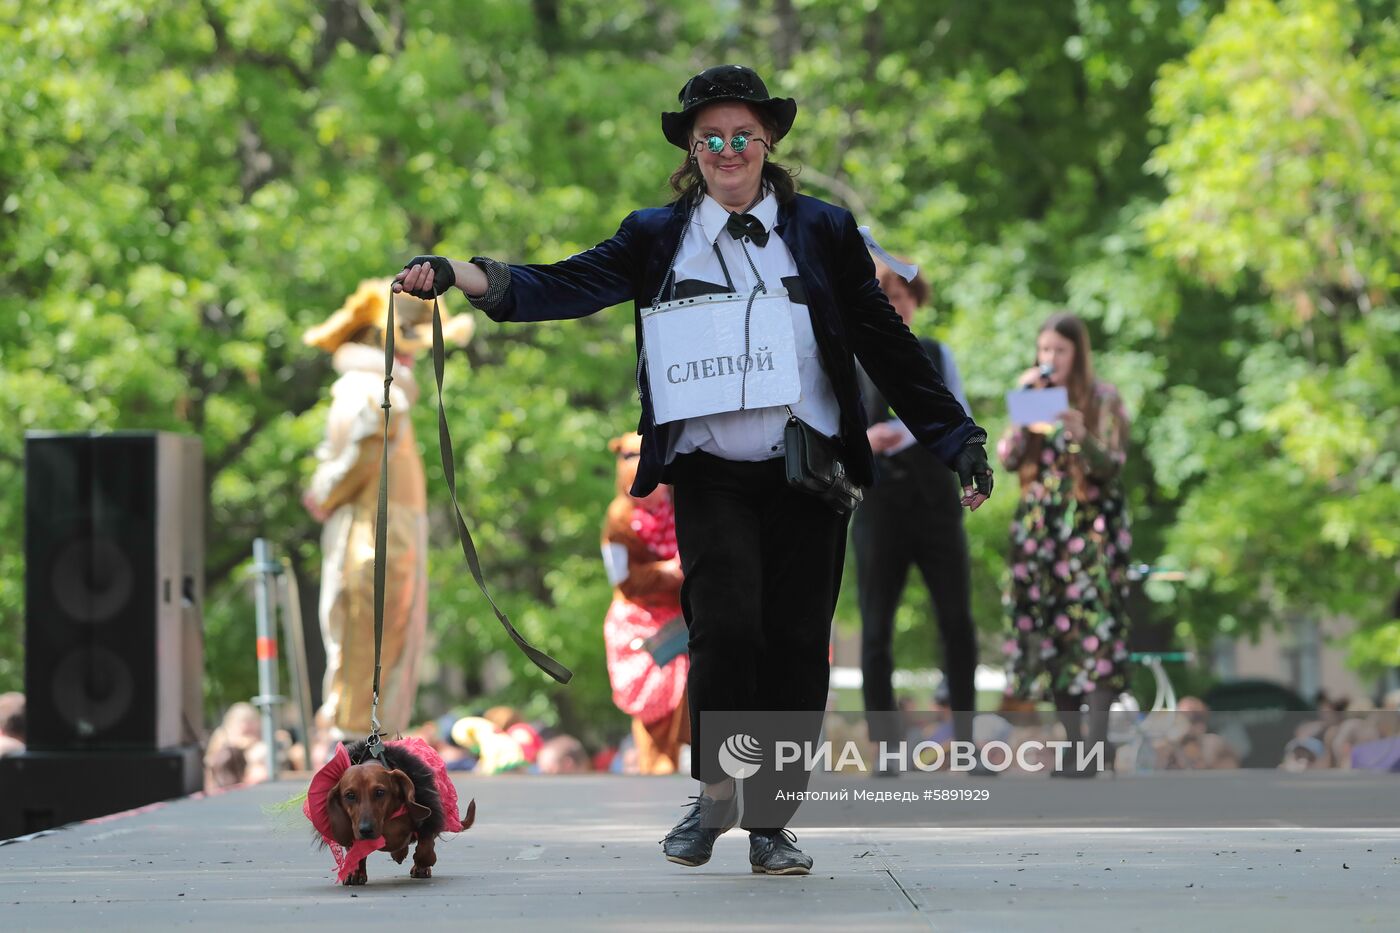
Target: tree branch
873 40
235 450
787 39
344 23
547 19
225 49
844 192
387 41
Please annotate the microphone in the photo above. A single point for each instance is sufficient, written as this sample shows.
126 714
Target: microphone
1042 380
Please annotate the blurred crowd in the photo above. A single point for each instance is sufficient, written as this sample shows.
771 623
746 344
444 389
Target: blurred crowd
500 741
1347 734
1342 734
236 753
497 740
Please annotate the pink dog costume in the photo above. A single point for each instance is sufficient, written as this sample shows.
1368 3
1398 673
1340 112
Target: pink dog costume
326 779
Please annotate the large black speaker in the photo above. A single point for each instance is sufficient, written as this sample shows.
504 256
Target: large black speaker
42 790
114 587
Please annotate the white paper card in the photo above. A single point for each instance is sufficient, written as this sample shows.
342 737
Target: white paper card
696 361
615 561
902 269
1036 406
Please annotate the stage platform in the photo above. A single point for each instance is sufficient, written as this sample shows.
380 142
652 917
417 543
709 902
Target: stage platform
581 853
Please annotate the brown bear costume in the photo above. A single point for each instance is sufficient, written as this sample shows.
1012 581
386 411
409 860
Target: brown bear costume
639 551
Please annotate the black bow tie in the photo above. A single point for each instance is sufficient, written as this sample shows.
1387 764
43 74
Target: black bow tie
747 225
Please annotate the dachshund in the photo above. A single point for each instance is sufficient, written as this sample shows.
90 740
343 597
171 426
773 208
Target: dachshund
399 801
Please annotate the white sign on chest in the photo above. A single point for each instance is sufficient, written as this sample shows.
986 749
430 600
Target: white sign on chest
711 354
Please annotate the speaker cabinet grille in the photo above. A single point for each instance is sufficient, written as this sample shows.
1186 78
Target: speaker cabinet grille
111 544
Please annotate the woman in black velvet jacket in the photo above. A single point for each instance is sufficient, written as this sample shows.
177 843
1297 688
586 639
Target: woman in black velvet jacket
762 559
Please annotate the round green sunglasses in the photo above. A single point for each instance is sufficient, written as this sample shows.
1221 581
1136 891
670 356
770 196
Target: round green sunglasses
740 142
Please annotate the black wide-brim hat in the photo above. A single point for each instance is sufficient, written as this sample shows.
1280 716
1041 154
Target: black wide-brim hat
726 82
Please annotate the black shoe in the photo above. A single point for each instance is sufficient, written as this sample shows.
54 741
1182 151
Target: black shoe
691 841
775 854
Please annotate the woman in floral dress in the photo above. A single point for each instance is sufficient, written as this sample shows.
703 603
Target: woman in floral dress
1069 539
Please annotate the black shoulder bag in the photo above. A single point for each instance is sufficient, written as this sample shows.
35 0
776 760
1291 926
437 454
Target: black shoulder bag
815 464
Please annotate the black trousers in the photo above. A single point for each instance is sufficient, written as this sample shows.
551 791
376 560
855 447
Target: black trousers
913 517
762 565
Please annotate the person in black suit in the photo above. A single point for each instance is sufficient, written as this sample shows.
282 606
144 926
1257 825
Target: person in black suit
762 559
911 517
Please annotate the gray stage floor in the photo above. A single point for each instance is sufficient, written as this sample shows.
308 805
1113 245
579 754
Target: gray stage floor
572 853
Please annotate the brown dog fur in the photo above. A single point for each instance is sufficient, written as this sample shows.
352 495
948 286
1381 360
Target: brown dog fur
362 806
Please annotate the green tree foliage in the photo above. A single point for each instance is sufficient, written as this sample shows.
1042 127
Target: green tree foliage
1282 163
186 185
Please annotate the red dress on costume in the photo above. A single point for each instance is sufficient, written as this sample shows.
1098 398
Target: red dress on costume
640 687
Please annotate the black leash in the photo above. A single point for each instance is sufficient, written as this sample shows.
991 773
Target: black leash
374 748
373 745
543 661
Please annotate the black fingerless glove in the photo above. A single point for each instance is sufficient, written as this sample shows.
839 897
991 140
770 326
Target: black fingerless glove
443 276
972 468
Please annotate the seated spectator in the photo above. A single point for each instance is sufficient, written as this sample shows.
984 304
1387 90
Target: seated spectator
528 738
1190 745
502 717
224 766
1335 715
609 758
1029 725
453 755
917 722
1203 752
1217 753
236 752
842 730
1381 753
438 734
290 750
623 759
1378 755
508 721
1332 712
12 733
562 754
1348 734
1332 723
496 752
938 725
1304 754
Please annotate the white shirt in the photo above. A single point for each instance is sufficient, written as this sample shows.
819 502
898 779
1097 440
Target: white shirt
757 434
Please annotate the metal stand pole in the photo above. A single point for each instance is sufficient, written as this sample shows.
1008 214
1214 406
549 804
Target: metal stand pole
290 598
265 571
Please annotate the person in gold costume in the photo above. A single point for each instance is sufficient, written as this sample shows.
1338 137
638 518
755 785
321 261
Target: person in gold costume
344 495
